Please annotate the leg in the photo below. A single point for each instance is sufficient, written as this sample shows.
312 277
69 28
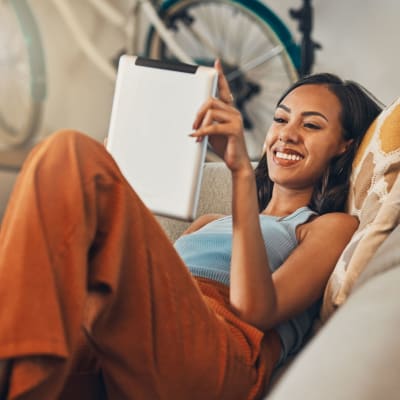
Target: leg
79 250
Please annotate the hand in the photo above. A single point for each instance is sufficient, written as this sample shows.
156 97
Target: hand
222 123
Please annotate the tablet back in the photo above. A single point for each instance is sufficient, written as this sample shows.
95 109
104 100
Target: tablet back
154 106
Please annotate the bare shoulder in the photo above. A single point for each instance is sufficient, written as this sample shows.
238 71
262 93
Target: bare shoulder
201 221
330 225
337 220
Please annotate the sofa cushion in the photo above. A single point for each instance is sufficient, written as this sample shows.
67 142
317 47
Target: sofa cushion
375 172
386 258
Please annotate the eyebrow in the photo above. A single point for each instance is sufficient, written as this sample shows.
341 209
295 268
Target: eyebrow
304 113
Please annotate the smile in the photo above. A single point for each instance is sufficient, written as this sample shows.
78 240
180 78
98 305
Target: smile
291 157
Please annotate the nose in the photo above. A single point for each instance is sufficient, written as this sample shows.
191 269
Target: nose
288 134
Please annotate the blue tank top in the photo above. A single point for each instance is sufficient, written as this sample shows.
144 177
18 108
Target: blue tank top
207 253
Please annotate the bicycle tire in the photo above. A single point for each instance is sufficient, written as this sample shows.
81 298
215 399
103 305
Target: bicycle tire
252 27
22 75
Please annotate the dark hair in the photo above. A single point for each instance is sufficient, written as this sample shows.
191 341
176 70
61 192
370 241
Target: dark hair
359 109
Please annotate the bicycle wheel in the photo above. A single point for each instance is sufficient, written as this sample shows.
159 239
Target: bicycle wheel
22 74
257 51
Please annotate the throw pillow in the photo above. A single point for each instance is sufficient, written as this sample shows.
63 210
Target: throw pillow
375 174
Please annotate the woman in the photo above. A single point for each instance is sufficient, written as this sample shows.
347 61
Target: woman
83 264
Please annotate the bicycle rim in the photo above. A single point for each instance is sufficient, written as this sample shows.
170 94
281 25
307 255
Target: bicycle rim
21 83
257 63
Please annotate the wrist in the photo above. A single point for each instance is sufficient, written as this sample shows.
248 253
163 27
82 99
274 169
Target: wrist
244 172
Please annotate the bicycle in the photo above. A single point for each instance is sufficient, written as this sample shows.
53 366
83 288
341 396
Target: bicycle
257 50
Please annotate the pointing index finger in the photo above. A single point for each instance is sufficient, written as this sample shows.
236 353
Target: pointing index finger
223 86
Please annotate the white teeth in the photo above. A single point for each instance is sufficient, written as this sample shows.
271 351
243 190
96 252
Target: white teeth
285 156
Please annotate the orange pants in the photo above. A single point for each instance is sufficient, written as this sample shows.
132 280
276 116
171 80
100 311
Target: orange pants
89 280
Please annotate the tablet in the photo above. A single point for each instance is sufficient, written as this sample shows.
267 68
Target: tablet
154 106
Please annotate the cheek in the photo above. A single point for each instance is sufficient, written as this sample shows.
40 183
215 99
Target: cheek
269 138
320 163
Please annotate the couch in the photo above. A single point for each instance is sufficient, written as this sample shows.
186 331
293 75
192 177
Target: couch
355 354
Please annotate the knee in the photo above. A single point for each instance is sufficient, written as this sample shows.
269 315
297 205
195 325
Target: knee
68 142
61 148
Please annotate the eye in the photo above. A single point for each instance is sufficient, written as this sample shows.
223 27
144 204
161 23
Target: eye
279 120
310 125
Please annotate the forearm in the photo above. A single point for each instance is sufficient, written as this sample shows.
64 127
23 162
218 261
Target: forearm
252 293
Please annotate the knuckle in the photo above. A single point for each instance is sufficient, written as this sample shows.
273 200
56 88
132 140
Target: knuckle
208 104
211 113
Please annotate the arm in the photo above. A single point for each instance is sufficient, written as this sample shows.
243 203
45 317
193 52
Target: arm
252 293
301 280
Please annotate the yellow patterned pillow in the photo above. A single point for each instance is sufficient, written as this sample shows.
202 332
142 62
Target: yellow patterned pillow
374 178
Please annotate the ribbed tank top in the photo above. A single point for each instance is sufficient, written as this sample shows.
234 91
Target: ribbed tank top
207 253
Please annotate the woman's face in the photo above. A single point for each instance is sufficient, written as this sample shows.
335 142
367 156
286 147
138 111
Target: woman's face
305 135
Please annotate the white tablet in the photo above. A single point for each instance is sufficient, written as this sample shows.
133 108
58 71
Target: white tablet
154 106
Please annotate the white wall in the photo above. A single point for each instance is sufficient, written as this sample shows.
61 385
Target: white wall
359 39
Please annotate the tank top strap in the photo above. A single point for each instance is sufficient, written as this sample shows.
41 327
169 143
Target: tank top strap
292 221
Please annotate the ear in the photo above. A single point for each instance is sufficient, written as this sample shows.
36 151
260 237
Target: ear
344 146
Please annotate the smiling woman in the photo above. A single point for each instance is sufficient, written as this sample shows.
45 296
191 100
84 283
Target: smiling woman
210 318
355 108
307 138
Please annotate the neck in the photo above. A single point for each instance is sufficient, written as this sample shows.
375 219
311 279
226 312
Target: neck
284 202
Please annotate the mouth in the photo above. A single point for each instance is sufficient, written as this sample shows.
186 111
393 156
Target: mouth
287 157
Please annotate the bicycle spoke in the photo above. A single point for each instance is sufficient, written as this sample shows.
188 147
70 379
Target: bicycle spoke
203 42
255 62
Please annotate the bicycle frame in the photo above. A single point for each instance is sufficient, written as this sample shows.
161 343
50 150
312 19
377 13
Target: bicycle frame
129 25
